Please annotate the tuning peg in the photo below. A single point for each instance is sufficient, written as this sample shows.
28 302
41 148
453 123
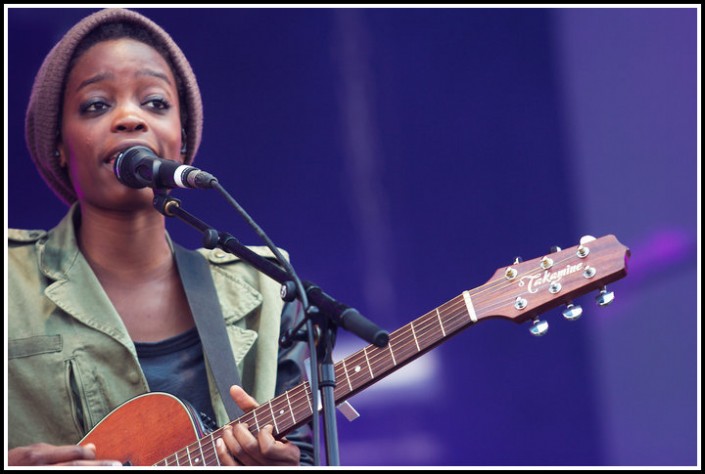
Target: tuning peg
572 312
586 238
555 248
518 260
605 297
539 327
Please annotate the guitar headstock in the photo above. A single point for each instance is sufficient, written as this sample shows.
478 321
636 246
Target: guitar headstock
524 290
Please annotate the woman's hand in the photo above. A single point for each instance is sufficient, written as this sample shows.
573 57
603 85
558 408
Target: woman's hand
43 454
240 447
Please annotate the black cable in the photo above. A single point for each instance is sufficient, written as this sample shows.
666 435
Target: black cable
304 301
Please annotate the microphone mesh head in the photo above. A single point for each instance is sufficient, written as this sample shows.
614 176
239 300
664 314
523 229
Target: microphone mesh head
125 166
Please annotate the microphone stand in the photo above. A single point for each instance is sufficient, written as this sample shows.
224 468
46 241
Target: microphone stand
326 312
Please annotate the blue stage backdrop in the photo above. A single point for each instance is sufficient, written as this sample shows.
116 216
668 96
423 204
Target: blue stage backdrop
403 155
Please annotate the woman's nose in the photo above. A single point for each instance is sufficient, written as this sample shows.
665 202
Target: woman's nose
128 120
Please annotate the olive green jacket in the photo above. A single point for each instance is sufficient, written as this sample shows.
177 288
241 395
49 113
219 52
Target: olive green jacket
70 358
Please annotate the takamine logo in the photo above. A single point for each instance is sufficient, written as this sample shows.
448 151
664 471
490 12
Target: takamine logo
534 282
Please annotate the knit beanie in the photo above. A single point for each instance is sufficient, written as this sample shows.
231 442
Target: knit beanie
44 109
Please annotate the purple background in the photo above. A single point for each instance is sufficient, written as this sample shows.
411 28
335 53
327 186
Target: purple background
403 155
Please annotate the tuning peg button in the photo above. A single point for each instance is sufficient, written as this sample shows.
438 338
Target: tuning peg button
605 297
555 249
583 251
572 312
539 327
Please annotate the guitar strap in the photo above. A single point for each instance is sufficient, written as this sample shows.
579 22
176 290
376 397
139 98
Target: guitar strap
203 301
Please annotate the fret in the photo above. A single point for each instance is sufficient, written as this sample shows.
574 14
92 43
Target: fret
291 410
402 339
304 410
195 458
359 377
369 366
202 458
213 448
413 332
273 419
254 415
189 456
347 376
279 406
391 353
454 318
380 360
307 390
265 415
440 322
429 331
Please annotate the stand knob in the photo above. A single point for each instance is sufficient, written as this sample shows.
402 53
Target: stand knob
287 291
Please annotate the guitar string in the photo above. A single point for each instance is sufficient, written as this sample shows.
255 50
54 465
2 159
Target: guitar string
422 326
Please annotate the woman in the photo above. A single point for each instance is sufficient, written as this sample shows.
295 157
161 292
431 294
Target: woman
86 333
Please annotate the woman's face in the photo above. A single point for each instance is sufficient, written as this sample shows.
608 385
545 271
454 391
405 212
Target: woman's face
120 93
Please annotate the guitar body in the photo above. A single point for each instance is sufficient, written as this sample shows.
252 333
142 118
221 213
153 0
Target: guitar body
145 430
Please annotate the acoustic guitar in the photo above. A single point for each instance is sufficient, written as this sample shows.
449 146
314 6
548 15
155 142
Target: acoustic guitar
158 429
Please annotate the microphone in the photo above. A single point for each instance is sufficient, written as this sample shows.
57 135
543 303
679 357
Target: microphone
139 167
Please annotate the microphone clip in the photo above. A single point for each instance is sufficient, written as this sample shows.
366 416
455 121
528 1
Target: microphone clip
164 203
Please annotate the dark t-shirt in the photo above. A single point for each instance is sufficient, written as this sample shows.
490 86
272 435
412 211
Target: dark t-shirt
176 366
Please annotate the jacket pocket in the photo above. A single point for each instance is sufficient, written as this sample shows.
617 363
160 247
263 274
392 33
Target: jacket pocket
74 386
40 402
35 345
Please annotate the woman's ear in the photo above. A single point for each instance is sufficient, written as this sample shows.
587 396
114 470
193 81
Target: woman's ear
59 153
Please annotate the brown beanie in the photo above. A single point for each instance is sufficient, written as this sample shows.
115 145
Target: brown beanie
43 112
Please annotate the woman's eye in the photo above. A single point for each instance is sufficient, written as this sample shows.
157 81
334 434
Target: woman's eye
157 103
94 106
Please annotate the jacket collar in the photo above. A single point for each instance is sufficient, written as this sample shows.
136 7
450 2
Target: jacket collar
75 288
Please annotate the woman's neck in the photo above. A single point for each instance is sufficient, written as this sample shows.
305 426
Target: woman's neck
130 255
124 244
